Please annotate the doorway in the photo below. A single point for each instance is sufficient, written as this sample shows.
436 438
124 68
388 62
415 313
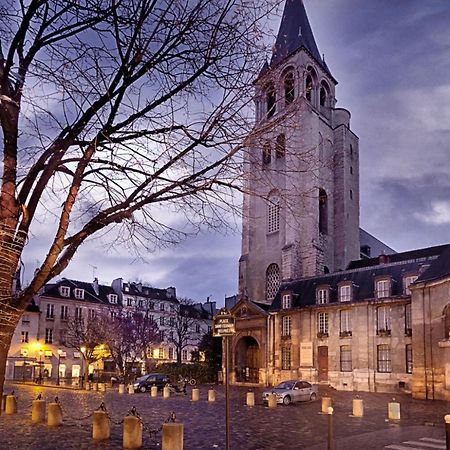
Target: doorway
322 356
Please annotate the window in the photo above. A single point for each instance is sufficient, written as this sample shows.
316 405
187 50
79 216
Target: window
384 320
49 336
286 301
184 355
351 194
151 318
272 281
197 328
309 88
78 313
346 358
407 281
172 307
91 313
323 212
129 301
408 320
62 337
322 296
161 335
345 293
266 154
141 303
25 319
64 312
280 147
171 322
289 88
271 100
161 354
171 353
383 288
324 94
286 358
50 311
322 324
345 322
171 335
64 291
79 294
161 321
113 298
24 336
409 358
161 306
273 214
151 305
286 326
384 358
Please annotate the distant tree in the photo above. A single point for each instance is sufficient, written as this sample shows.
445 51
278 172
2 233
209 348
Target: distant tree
211 347
129 335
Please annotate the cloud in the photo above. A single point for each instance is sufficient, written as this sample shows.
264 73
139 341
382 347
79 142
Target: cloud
439 214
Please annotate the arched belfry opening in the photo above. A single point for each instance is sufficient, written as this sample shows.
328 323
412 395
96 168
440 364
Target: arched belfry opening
323 212
247 360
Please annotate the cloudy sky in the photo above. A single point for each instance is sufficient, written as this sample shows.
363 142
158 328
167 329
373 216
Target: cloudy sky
392 61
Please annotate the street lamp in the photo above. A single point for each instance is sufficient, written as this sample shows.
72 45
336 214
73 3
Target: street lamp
85 378
59 362
40 366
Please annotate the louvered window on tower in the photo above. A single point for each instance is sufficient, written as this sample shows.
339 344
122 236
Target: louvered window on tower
271 99
266 154
272 281
273 215
280 146
289 88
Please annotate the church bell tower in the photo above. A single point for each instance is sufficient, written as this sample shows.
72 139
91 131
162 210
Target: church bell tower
301 201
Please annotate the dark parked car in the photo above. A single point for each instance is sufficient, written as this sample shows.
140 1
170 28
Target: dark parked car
292 391
144 383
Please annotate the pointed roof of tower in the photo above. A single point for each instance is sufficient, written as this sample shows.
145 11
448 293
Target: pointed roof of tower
295 32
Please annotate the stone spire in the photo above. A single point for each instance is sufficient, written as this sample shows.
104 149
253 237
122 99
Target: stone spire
295 32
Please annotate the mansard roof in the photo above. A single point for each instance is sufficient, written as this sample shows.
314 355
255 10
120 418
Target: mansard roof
440 268
151 293
90 294
295 33
363 273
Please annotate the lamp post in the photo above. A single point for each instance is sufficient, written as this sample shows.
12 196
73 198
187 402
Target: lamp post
59 362
40 366
84 378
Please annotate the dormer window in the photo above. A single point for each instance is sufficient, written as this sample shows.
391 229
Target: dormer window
345 293
79 293
383 288
407 281
112 298
64 291
322 295
286 301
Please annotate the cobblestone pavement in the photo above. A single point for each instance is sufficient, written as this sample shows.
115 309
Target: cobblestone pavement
299 426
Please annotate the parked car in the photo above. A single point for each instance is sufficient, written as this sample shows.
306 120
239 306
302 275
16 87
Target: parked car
292 391
144 383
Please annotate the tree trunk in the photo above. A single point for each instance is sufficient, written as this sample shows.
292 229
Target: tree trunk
6 334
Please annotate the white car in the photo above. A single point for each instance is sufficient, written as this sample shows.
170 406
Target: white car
292 391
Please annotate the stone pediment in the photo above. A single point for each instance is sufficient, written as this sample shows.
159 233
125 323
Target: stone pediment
247 309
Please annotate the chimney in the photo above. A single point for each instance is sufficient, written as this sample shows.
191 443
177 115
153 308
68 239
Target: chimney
95 286
171 292
383 259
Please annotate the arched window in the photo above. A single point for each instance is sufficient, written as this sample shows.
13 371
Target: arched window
309 88
273 214
266 156
271 99
324 94
272 281
323 212
281 146
289 88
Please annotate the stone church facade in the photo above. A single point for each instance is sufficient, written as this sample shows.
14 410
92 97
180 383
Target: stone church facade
309 307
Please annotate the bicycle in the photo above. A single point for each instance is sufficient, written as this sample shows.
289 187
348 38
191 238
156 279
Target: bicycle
189 380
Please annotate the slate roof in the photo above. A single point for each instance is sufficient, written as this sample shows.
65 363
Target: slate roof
90 296
440 268
363 273
147 292
295 32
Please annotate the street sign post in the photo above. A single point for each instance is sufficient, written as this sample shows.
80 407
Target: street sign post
224 327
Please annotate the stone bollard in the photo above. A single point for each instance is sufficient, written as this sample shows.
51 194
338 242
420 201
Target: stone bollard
87 387
100 426
250 399
272 401
38 411
102 387
11 405
132 432
54 417
447 430
166 392
4 401
326 403
121 388
357 407
95 386
130 389
393 410
172 436
195 394
211 395
154 391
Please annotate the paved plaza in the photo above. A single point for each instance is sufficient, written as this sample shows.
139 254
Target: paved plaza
299 426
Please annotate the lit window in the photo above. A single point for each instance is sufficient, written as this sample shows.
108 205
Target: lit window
384 358
24 337
383 288
346 358
273 214
322 296
286 301
407 281
409 358
286 358
345 293
272 281
345 322
322 324
64 291
79 294
384 320
286 326
48 335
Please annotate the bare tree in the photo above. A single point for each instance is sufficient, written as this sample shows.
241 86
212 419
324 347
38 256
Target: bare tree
129 335
110 109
